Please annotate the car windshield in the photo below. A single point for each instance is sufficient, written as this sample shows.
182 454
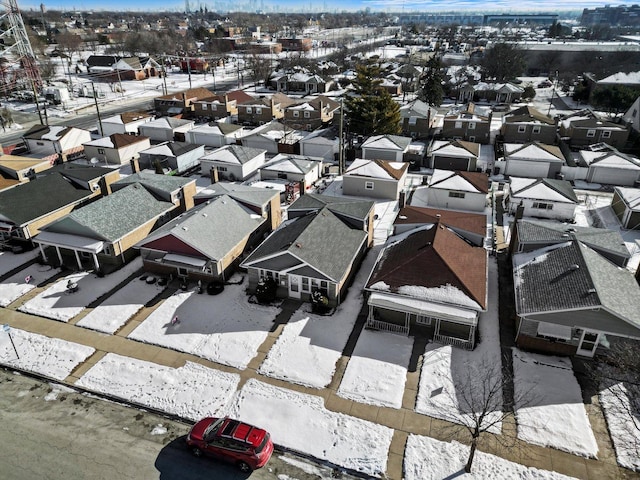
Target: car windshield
211 429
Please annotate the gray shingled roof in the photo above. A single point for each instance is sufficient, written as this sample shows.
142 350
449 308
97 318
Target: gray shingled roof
166 183
320 239
572 276
112 217
31 200
213 228
548 231
340 205
242 193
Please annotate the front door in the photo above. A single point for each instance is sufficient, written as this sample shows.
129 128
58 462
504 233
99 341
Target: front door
294 286
588 343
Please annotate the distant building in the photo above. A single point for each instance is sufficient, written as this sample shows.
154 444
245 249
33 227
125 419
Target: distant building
519 18
623 15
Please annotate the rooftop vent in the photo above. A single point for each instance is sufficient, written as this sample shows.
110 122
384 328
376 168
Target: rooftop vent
591 290
574 267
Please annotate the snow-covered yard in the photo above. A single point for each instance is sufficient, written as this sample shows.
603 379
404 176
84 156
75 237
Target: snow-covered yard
429 459
51 357
192 391
225 328
554 415
56 303
16 286
114 312
377 370
301 422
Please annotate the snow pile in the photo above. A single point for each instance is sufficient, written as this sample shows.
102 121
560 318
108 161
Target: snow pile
549 407
56 303
225 328
377 370
192 391
429 459
302 423
114 312
51 357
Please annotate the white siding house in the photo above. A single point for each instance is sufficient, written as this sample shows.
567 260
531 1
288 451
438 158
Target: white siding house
233 162
294 168
116 149
456 190
215 135
543 198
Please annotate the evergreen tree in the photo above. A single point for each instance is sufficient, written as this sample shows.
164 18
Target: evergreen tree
431 91
371 110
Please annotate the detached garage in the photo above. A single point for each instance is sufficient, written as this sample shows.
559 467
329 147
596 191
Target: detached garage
533 160
609 166
626 205
456 155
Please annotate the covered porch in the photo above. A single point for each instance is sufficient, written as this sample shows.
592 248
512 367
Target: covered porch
81 247
450 325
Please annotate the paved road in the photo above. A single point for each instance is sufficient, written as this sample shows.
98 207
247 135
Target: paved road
51 432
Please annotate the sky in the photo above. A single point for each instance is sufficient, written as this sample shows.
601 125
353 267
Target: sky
325 5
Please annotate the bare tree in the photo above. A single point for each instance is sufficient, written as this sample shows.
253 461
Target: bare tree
259 66
69 43
485 398
618 381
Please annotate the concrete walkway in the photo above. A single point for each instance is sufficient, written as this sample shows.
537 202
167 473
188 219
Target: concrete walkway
404 421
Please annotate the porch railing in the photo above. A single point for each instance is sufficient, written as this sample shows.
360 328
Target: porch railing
387 327
453 341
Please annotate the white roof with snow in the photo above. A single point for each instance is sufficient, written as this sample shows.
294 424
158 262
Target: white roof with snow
368 168
529 152
529 188
448 180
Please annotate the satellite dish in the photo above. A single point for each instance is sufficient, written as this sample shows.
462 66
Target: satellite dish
94 161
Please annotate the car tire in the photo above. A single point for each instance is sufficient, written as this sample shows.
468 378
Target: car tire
196 452
243 467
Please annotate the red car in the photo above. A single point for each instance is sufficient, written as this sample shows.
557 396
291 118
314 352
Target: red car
232 441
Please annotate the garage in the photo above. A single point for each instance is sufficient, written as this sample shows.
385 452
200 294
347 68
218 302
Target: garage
453 163
527 168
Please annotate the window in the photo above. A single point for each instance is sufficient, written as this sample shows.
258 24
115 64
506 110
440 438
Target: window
213 107
296 113
307 114
282 175
543 206
471 126
222 169
606 134
456 194
305 284
522 128
413 120
309 127
258 111
39 143
101 151
458 125
249 110
591 133
536 129
204 106
264 274
368 185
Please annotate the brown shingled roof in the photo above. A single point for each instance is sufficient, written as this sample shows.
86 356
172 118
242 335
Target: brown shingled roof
394 172
122 140
470 222
433 258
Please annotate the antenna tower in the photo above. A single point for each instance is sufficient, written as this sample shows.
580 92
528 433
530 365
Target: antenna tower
20 70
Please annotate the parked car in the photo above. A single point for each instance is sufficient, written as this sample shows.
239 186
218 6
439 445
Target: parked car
232 441
545 84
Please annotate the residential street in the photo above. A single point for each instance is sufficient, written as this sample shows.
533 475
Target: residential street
53 432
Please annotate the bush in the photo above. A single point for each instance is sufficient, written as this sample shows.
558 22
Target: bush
266 290
319 302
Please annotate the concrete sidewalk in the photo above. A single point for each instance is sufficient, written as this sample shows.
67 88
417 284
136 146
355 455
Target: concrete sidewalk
404 421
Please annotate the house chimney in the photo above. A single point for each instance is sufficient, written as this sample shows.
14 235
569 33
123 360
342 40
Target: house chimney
402 200
135 164
519 211
213 173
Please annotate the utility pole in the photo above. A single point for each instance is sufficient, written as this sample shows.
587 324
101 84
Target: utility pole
95 98
341 141
164 76
35 99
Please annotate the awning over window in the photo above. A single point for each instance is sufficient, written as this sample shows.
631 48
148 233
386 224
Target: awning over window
423 307
555 331
72 242
180 260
